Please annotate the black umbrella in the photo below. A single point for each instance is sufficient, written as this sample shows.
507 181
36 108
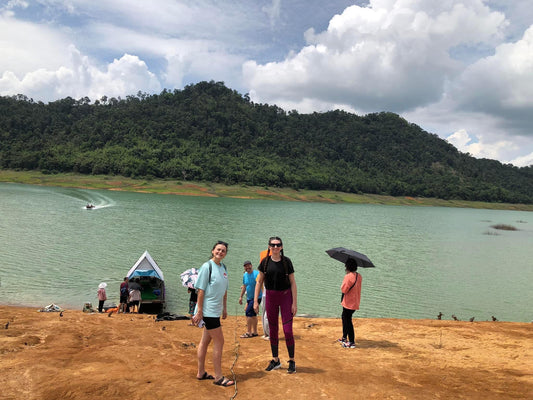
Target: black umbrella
341 254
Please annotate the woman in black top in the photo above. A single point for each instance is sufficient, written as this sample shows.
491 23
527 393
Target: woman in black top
277 273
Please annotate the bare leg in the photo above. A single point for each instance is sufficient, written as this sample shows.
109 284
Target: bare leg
218 344
202 351
253 325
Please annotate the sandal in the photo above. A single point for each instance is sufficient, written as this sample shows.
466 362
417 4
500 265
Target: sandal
246 335
224 382
206 376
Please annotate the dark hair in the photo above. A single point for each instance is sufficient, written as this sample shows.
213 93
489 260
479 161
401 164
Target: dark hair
275 238
220 242
264 261
351 265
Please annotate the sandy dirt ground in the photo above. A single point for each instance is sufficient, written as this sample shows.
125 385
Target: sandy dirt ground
131 356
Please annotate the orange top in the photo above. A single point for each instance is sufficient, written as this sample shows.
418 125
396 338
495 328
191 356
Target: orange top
352 297
262 255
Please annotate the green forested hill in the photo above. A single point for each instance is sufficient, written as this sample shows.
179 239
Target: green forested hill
208 132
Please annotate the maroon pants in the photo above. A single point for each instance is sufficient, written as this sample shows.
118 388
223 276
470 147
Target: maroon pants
276 301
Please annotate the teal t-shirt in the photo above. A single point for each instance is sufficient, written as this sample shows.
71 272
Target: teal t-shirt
213 291
249 280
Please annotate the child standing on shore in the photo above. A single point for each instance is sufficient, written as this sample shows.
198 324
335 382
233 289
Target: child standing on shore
102 297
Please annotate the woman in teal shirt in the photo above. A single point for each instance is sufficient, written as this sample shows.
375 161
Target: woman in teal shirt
212 287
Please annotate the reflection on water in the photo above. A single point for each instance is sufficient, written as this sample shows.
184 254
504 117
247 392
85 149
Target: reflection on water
428 259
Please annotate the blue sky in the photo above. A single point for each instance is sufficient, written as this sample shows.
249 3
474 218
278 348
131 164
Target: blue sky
461 69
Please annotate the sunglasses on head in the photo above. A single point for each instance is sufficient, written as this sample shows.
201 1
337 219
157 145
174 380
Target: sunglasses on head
275 244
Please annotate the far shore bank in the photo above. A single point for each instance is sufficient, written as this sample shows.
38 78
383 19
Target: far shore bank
187 188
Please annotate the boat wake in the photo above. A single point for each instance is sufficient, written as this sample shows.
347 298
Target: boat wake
91 200
97 202
92 206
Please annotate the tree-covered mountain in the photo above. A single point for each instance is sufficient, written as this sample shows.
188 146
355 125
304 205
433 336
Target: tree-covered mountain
208 132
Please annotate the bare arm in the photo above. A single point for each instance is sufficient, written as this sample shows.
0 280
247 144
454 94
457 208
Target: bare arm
200 305
258 286
224 306
243 290
294 294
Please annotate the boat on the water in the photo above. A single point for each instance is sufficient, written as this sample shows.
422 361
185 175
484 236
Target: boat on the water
152 284
89 206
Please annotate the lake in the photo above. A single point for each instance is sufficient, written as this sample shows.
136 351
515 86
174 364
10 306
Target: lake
428 259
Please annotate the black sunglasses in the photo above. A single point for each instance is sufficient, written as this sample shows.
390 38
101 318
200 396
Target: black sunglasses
275 244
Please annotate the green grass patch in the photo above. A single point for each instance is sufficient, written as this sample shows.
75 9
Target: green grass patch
166 186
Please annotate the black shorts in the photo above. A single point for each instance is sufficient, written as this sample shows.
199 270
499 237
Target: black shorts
250 312
123 299
212 323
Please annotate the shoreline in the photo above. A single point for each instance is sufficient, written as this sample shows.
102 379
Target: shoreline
89 355
188 188
71 308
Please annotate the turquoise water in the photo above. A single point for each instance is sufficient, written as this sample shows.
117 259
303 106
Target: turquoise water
428 259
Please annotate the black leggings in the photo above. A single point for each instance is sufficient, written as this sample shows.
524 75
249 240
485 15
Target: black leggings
347 325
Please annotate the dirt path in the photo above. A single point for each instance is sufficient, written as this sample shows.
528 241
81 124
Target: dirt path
128 356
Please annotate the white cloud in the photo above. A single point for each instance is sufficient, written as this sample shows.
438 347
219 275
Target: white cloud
460 139
523 161
178 58
492 100
443 65
80 78
477 146
127 75
448 66
27 47
391 55
502 83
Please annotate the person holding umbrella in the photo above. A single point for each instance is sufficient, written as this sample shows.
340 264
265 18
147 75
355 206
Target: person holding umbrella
212 286
351 297
277 273
350 288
